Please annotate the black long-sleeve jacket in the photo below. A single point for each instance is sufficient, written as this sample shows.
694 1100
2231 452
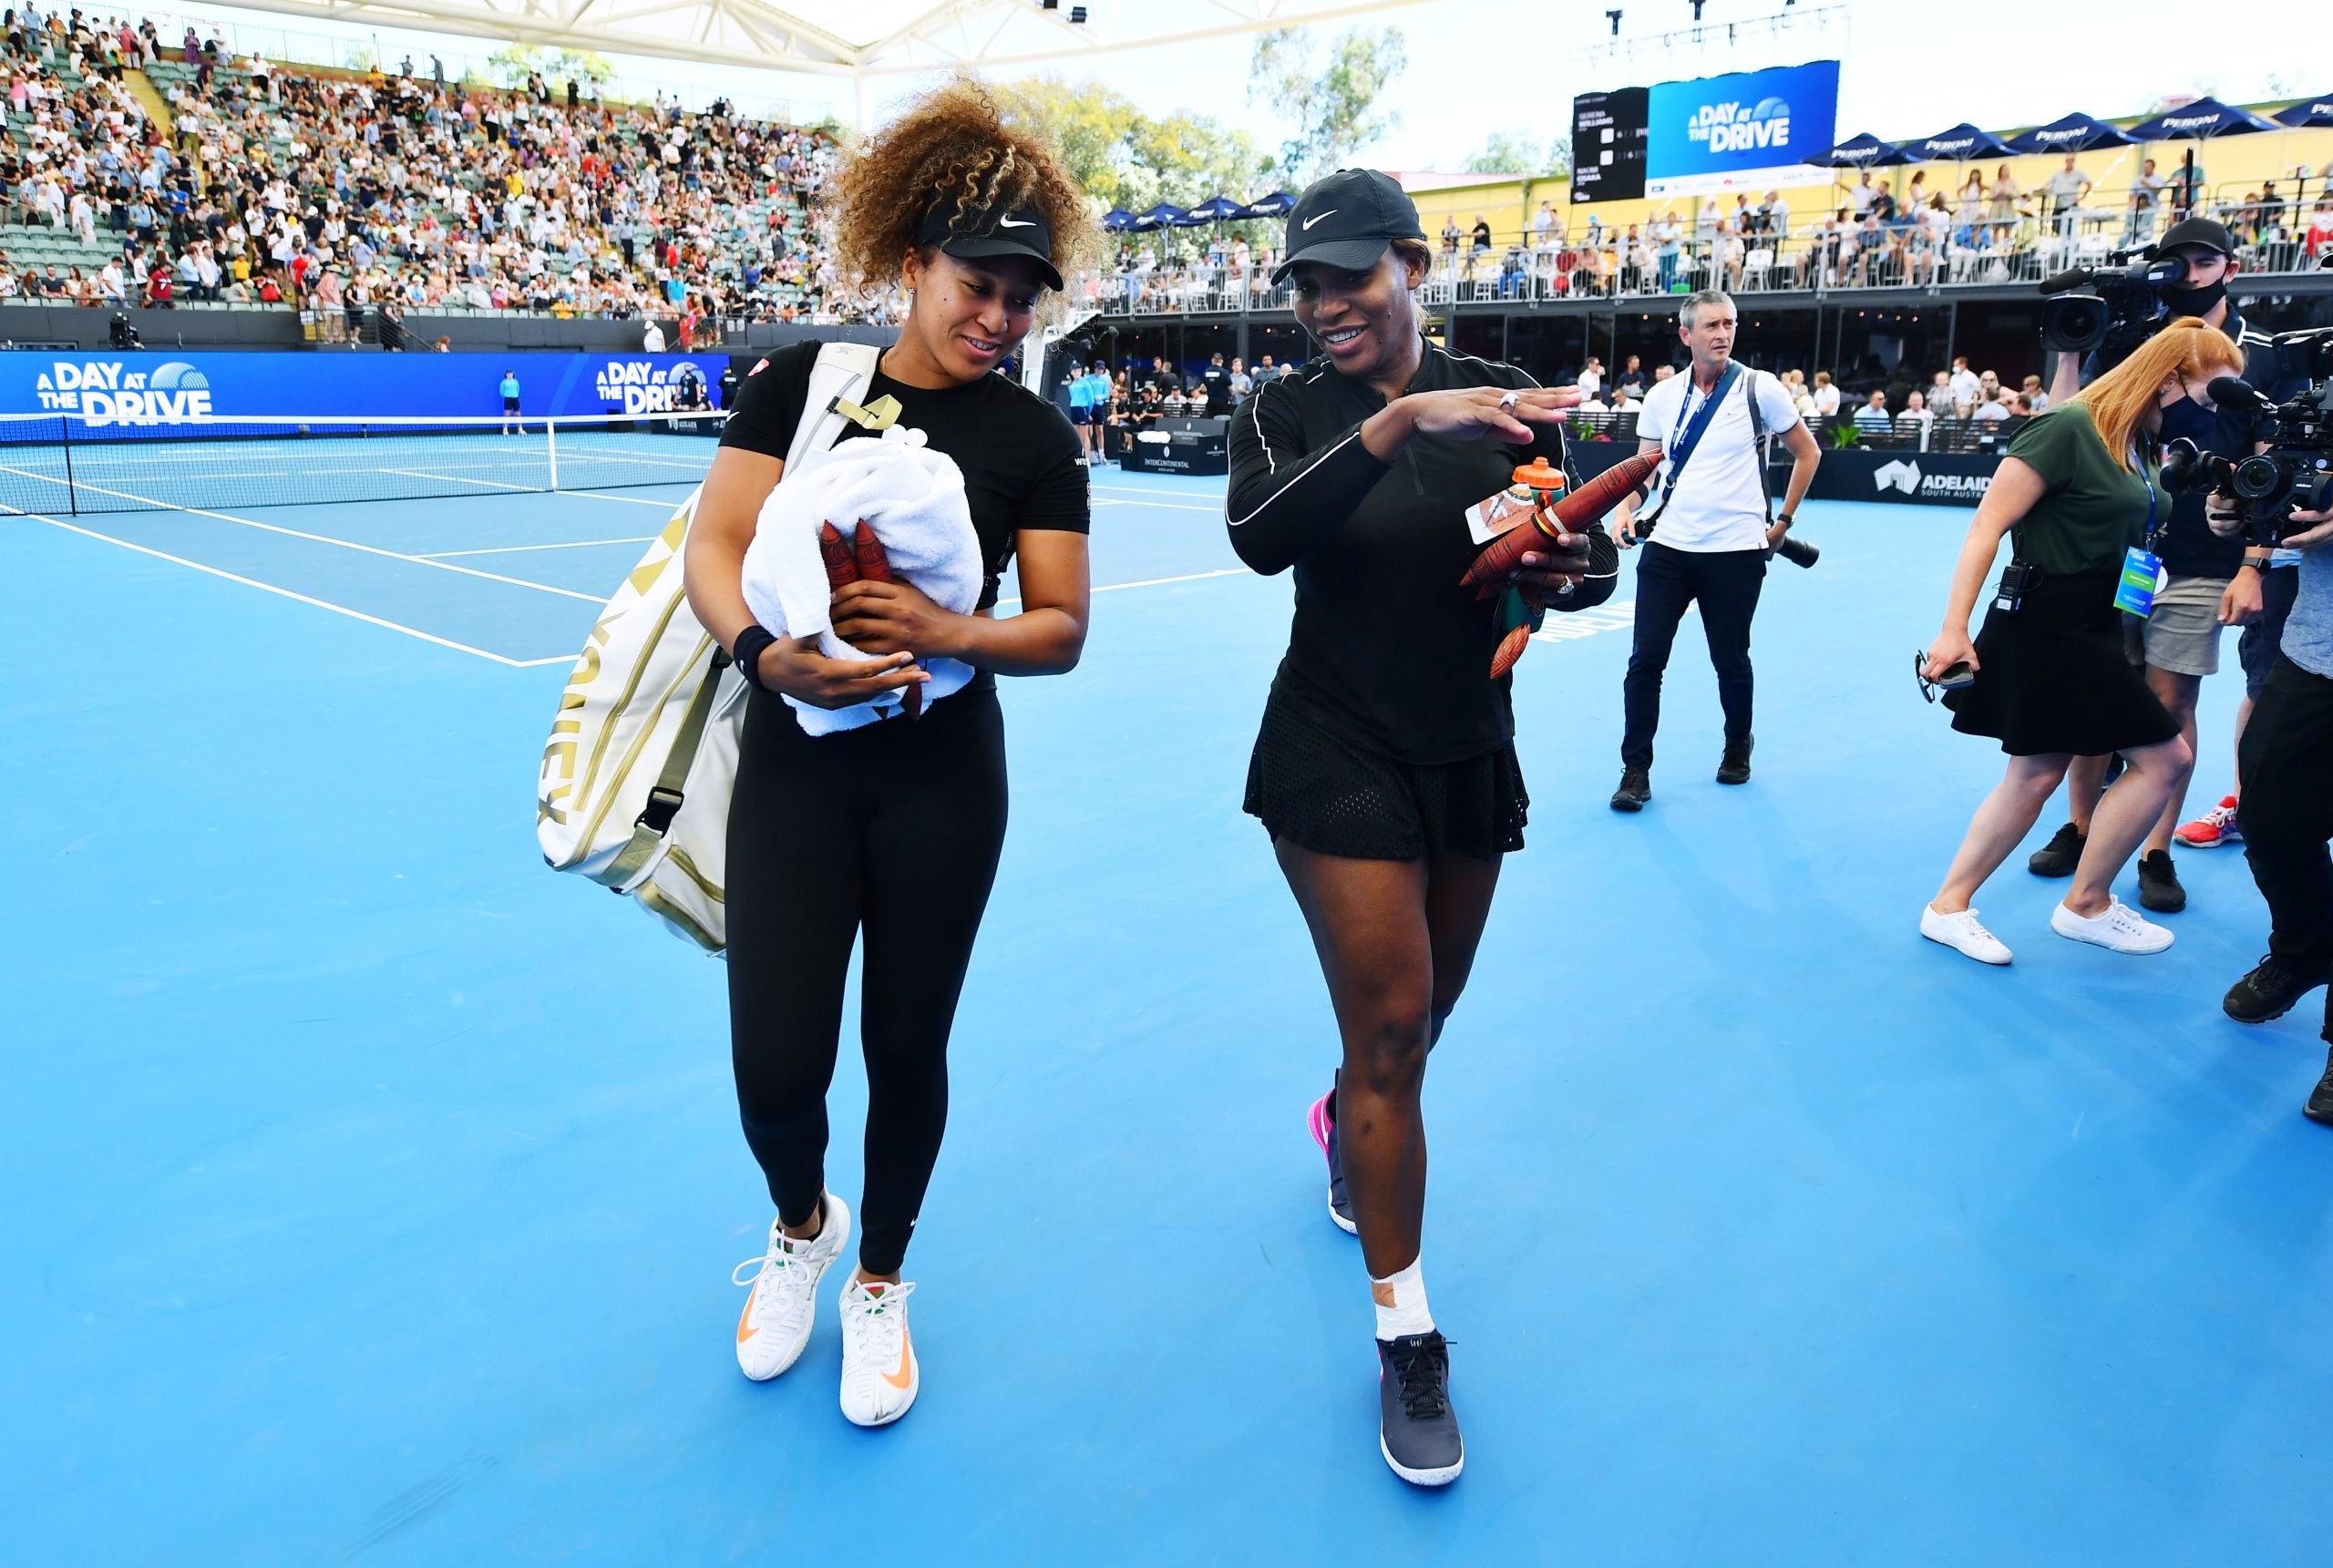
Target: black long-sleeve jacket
1385 647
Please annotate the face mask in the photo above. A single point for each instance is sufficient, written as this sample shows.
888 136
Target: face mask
2194 302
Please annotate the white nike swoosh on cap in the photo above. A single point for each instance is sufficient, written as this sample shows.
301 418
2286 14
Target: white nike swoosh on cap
1331 212
1016 223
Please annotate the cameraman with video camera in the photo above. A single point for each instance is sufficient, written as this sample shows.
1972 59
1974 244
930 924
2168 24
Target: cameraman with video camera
2286 754
2215 581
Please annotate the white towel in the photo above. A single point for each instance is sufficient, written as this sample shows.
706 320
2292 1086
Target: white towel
913 497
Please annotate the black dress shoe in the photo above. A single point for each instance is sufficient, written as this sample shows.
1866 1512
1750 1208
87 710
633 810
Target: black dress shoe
2271 989
2060 855
2158 888
1636 788
1735 767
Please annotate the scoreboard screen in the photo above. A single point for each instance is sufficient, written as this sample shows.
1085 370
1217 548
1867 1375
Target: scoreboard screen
1608 145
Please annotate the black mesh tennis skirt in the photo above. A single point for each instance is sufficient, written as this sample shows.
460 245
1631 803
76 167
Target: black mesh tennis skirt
2052 676
1333 796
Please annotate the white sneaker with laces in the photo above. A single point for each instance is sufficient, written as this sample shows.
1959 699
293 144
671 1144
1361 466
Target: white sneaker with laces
879 1375
1962 934
2121 928
783 1300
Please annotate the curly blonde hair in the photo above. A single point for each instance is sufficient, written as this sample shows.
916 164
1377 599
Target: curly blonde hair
952 145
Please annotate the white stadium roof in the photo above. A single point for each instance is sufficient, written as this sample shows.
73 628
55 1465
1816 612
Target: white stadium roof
851 38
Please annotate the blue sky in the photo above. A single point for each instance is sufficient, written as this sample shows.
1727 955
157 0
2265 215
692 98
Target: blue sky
1909 68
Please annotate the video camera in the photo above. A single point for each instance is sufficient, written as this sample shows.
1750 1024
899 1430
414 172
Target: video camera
2111 309
2296 471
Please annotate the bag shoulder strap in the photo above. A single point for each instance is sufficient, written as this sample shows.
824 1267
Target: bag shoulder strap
1695 429
841 373
1765 443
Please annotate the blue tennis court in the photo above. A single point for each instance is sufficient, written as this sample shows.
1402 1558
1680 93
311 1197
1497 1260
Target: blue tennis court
370 1193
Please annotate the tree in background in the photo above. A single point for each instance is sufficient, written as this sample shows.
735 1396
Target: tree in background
1332 110
511 63
1125 158
1509 152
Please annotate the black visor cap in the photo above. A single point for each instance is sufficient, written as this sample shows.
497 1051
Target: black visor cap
979 236
1346 220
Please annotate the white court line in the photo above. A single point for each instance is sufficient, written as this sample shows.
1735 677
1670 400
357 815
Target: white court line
531 490
514 550
287 593
1150 499
1161 581
321 538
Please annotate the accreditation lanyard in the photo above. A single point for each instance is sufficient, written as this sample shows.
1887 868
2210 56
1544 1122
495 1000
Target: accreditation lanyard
2143 575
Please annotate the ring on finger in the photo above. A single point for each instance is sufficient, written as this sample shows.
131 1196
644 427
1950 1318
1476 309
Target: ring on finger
1506 405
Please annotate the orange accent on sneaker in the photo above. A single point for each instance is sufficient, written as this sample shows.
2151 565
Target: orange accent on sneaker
745 1333
902 1379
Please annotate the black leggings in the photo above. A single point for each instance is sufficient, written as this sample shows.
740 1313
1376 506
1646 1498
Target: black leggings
1726 584
891 831
2287 813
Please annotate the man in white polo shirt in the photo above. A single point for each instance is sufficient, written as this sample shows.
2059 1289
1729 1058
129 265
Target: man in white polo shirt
1716 530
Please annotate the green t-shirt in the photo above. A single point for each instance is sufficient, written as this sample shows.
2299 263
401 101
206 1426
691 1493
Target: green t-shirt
2091 510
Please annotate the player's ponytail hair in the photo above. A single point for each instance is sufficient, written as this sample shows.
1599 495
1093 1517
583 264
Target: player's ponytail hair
2118 400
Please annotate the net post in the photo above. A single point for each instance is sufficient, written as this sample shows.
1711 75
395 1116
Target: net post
550 445
72 494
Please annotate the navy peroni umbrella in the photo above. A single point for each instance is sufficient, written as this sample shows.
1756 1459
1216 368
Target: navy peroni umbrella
1865 151
2307 112
1118 220
2199 121
2070 133
1215 210
1274 206
1166 215
1959 145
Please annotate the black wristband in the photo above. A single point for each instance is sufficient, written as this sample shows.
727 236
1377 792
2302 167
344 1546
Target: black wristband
748 651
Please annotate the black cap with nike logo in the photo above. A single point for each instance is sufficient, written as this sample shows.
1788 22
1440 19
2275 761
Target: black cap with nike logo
976 235
1346 220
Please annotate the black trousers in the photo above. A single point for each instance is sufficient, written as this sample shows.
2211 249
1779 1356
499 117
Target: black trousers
887 836
2286 812
1725 583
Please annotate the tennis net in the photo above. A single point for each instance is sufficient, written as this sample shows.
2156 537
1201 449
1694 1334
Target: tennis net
62 464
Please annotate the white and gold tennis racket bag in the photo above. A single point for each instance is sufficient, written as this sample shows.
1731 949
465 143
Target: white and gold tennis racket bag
635 784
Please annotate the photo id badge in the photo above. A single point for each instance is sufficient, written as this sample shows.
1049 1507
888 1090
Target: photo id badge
1495 515
2143 578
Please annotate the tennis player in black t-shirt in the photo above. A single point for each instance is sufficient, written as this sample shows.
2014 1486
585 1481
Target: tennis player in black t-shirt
888 834
1385 769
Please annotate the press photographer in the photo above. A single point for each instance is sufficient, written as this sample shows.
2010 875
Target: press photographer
2213 581
2049 676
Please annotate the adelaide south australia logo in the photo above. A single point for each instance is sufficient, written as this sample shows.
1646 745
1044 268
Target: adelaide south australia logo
1904 475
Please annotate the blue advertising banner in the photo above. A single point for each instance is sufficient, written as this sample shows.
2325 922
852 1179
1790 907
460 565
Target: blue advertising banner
1734 132
156 388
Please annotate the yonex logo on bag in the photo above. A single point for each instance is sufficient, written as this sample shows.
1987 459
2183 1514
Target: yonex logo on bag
106 392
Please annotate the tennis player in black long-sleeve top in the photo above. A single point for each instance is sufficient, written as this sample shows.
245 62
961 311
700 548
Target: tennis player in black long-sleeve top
1386 770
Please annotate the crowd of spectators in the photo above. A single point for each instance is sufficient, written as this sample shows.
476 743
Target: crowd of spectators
337 191
1871 234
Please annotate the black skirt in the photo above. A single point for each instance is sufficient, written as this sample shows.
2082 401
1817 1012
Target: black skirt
1334 796
2052 675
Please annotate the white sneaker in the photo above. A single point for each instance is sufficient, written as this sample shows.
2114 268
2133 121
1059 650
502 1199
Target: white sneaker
879 1375
2122 928
783 1301
1962 934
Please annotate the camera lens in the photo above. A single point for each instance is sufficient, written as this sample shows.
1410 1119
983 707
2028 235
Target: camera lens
2257 478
